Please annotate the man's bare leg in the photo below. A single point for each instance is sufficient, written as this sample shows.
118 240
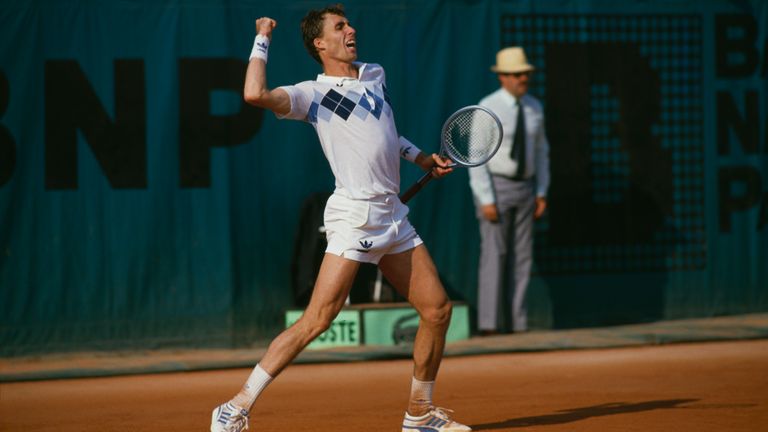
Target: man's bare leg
415 277
328 297
332 286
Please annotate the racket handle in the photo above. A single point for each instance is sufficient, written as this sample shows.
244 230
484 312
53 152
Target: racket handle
404 198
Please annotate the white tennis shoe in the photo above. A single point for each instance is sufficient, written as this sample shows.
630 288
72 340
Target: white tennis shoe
229 418
436 420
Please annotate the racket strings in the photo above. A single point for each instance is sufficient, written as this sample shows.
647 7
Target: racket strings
471 137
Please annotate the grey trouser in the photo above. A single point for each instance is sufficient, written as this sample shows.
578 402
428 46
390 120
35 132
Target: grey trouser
506 255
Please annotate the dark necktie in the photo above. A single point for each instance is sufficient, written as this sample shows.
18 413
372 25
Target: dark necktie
518 143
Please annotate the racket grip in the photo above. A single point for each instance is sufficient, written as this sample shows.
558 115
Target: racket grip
404 198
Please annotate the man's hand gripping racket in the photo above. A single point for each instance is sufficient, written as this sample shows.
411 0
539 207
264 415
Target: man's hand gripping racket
470 137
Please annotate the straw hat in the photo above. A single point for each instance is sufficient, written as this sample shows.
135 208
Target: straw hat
511 60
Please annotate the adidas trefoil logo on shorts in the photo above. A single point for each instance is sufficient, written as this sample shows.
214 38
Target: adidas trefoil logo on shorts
366 245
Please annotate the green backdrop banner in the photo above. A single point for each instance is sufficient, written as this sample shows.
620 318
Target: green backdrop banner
143 204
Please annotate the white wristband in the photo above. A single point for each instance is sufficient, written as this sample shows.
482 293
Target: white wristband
260 48
408 150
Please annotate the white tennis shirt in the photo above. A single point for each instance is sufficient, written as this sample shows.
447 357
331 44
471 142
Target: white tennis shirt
356 127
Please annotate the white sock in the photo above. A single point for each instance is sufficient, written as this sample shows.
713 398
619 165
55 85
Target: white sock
256 383
421 394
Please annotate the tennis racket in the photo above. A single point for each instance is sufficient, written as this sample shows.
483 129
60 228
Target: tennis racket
470 137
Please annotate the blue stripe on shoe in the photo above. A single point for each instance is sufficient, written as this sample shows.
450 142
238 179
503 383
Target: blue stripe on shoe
223 415
436 422
420 428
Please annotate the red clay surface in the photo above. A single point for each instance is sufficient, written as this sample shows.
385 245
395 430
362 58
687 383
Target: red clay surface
705 387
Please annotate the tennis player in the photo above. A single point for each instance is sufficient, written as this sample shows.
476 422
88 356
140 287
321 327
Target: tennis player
365 221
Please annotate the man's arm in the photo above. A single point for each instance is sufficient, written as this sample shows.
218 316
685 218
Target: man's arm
410 152
542 171
482 189
256 91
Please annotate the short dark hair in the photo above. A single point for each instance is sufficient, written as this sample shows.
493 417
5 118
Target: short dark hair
312 27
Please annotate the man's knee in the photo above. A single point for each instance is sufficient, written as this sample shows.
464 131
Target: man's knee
437 315
315 324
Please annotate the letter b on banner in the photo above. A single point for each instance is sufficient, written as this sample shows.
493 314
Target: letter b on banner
611 177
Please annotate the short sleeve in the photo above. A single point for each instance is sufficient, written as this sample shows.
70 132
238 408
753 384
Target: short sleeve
301 101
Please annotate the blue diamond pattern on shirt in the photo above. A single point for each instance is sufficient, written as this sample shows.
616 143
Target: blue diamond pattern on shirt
363 102
377 104
345 108
337 103
334 96
348 104
312 114
328 101
386 95
359 111
374 101
324 114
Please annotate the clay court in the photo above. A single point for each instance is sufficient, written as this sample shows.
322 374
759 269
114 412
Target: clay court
714 386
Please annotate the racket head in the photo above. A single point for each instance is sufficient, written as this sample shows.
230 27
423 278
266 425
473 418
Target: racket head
471 136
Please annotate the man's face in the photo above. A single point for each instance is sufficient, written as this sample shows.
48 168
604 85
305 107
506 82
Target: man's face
515 83
338 40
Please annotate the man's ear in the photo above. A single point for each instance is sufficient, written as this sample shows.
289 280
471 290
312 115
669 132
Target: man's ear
319 44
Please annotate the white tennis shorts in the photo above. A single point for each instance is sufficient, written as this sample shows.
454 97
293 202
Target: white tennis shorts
366 230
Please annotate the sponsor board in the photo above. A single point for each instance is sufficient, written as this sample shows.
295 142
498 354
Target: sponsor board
376 324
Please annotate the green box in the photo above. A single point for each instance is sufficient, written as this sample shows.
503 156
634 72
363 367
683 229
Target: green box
345 330
385 324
